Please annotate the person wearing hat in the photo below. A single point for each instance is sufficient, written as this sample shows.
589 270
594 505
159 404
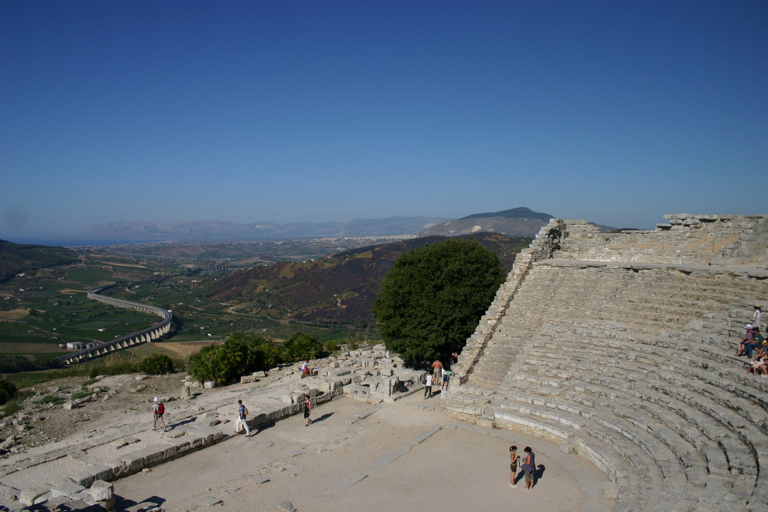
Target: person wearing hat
158 408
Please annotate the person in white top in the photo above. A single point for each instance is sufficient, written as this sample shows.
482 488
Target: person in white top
756 316
428 387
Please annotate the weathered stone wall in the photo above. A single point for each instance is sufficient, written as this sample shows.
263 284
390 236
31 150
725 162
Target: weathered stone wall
687 239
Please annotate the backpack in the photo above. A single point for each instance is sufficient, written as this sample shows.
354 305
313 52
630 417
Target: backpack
160 408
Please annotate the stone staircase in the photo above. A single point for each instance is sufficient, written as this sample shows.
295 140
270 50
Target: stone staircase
632 367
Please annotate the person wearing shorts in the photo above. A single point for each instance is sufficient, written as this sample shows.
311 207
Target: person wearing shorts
158 408
529 465
514 459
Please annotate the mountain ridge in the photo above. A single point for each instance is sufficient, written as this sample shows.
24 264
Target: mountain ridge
519 221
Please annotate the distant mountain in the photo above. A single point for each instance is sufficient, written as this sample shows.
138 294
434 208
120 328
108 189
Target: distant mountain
216 230
17 258
515 222
336 289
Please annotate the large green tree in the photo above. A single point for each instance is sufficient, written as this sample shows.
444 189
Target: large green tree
433 298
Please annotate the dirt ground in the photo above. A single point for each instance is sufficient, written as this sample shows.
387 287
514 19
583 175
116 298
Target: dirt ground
455 469
43 419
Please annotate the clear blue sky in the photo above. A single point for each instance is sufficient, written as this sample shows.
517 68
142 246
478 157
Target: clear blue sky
613 111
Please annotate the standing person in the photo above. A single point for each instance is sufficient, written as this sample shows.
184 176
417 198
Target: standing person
514 460
307 409
437 367
446 378
428 387
529 465
756 316
242 414
158 409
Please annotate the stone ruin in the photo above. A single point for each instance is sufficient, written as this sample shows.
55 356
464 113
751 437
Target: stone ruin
621 348
368 374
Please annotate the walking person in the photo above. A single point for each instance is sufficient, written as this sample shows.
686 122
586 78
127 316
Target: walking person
158 409
428 387
307 409
437 368
529 465
242 415
514 460
446 378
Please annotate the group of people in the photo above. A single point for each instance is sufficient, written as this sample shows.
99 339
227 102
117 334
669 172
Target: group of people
754 346
438 376
527 464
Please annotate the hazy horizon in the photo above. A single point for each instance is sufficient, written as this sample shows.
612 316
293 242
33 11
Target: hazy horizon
246 112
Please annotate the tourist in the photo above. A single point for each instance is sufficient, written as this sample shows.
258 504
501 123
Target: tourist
514 460
437 368
446 378
158 409
756 316
307 409
306 371
529 465
759 366
748 336
428 387
746 347
242 414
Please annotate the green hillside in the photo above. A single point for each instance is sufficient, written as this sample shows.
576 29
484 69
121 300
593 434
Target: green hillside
17 258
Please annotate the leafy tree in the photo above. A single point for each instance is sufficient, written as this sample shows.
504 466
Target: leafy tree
433 298
240 353
300 346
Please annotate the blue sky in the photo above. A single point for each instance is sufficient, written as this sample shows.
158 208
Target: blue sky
613 111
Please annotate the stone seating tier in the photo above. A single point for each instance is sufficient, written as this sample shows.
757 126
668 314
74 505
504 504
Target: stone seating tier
632 365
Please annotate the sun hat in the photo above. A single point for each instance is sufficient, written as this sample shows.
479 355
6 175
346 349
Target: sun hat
156 400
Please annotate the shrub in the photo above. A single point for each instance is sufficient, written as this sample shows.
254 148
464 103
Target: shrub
300 346
240 353
8 391
156 364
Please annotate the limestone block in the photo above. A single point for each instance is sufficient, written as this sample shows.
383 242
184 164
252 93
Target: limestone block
186 392
299 387
69 406
29 496
247 379
286 506
102 491
287 399
209 384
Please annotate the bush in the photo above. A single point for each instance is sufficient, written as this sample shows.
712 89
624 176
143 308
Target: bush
8 391
433 298
156 364
240 353
331 346
300 346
